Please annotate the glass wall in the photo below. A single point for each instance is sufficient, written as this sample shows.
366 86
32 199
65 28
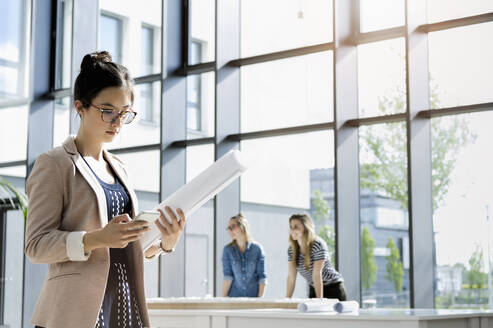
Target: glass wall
286 177
462 182
384 216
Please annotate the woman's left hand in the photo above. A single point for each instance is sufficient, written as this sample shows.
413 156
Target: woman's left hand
170 232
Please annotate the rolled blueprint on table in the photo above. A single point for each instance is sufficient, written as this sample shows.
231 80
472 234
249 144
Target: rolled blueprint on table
320 305
346 306
198 191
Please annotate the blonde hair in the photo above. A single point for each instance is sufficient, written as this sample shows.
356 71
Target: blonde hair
309 237
244 226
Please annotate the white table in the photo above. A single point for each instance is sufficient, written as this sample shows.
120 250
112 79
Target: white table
289 318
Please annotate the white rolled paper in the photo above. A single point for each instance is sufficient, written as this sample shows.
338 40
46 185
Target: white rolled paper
319 305
346 306
199 190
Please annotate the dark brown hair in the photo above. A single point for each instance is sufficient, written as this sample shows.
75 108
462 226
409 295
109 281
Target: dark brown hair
98 72
309 238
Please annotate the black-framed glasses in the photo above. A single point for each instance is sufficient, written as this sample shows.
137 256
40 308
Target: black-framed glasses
111 115
231 227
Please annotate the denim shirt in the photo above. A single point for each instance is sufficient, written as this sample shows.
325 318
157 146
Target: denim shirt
246 270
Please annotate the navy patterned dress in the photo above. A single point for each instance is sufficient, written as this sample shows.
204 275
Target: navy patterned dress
119 307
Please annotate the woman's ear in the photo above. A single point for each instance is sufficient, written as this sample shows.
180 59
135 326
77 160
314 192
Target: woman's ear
79 108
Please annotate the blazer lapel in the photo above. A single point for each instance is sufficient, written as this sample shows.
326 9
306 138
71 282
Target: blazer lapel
86 172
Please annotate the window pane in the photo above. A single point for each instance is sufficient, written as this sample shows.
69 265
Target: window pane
276 25
199 236
461 75
384 216
203 32
143 170
13 134
14 48
382 78
146 125
200 105
441 10
61 124
381 14
13 171
288 92
110 36
132 33
64 45
462 187
279 184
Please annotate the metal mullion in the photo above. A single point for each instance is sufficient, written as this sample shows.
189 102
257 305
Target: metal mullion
376 120
456 110
281 132
135 149
459 22
346 147
197 69
13 163
193 142
57 94
148 78
382 35
282 54
419 161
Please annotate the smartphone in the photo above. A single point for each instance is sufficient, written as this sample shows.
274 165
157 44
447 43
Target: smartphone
147 216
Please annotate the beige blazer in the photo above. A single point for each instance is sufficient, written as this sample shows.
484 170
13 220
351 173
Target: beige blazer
65 201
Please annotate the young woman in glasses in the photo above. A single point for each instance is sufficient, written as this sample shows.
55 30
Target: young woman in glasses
80 213
308 255
243 262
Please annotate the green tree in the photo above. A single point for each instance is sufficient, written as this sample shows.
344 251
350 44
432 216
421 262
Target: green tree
475 277
368 264
385 168
321 215
395 273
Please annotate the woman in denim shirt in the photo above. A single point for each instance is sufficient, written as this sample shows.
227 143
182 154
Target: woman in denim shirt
243 262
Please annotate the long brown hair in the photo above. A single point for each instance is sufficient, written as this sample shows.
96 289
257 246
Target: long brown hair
309 237
244 226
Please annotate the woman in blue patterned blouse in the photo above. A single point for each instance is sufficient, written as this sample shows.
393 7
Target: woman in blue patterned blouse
308 255
243 262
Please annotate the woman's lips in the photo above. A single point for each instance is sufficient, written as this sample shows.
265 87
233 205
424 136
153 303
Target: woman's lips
113 133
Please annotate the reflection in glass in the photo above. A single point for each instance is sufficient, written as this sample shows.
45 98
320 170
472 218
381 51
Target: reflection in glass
441 10
461 75
384 216
14 48
287 92
382 78
200 105
145 129
381 14
276 25
203 33
199 234
110 36
132 33
462 158
285 177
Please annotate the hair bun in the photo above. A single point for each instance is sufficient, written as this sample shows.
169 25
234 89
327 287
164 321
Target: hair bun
90 61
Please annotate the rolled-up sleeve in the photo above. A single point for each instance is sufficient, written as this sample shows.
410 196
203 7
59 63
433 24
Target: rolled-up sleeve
45 242
261 274
227 270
